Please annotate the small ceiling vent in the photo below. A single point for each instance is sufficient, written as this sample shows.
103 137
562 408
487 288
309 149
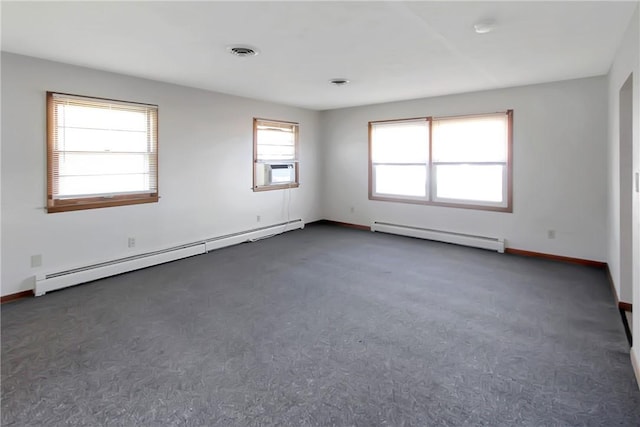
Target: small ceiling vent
243 51
339 82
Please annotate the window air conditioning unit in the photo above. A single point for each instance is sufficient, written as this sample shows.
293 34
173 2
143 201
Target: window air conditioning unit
283 173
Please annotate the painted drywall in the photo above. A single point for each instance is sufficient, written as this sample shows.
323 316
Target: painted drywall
559 167
1 126
623 202
625 180
625 64
205 171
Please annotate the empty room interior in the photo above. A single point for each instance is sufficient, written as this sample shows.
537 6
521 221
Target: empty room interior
320 213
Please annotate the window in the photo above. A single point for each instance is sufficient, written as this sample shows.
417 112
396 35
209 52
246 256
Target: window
275 155
451 161
400 158
100 153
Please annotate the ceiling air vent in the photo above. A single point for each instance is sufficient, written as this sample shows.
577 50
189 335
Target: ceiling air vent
243 51
339 82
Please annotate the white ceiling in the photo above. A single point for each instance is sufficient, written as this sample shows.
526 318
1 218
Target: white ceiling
389 50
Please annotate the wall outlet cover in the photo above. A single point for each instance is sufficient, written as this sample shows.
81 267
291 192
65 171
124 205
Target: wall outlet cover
36 260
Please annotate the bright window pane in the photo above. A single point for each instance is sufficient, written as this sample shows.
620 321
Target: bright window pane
401 180
80 164
482 183
102 184
95 117
276 151
279 137
470 139
400 142
100 140
276 144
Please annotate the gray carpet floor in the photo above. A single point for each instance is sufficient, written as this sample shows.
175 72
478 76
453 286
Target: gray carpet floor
324 326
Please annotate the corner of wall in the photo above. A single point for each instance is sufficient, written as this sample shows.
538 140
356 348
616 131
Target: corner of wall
323 117
625 62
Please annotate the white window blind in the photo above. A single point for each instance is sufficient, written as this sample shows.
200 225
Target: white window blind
460 161
101 149
470 159
400 157
276 141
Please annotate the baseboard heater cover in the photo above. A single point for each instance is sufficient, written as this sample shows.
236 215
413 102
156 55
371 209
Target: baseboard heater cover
492 243
62 279
254 234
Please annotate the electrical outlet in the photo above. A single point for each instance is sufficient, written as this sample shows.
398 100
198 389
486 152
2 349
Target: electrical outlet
131 242
352 209
258 218
36 260
551 234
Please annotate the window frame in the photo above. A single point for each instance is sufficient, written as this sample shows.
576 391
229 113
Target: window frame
430 198
295 161
55 205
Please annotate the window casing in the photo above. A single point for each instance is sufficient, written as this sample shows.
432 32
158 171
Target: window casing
275 155
463 161
100 153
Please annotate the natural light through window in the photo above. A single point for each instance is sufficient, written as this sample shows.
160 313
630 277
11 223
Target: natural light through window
399 157
275 155
455 161
404 180
469 182
101 153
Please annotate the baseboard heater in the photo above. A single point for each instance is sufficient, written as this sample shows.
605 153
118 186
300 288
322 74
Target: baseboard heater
440 236
62 279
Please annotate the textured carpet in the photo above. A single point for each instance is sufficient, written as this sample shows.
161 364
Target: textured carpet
324 326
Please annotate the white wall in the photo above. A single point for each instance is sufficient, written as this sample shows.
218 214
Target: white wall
624 64
559 167
625 268
206 143
1 126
